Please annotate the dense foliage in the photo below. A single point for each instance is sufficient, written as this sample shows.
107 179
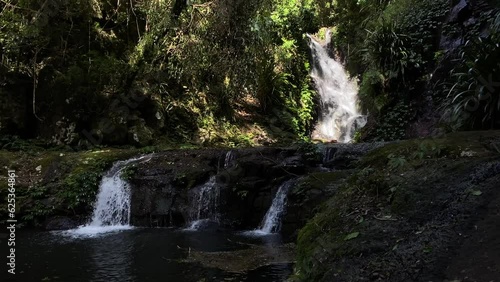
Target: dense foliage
123 71
92 72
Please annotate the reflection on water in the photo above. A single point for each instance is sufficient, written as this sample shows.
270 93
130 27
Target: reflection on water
112 259
147 255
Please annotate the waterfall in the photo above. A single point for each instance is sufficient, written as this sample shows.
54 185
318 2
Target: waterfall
339 116
206 203
112 206
272 220
271 223
328 154
228 160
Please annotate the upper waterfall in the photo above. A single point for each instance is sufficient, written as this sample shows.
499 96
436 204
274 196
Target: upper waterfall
339 116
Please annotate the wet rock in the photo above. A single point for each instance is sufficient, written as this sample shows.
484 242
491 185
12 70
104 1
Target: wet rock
244 259
294 164
60 223
344 156
164 189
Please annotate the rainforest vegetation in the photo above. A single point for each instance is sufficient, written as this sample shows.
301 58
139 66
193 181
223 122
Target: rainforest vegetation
235 73
192 83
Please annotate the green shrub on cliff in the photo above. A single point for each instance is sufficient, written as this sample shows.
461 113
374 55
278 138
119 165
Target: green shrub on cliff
474 98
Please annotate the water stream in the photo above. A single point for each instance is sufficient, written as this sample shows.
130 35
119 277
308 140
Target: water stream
271 223
205 204
229 159
339 116
112 206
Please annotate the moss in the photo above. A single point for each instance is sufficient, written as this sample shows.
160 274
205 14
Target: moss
48 158
323 239
378 157
403 201
66 184
320 181
414 151
128 172
379 197
12 160
78 188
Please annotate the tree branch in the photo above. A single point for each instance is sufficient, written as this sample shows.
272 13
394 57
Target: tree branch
35 83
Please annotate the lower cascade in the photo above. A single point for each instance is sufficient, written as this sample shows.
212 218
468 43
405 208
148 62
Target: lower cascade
112 206
271 223
206 203
328 154
339 116
229 159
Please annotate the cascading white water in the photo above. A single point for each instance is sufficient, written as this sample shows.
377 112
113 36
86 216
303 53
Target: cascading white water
328 154
112 206
271 223
207 202
339 116
228 160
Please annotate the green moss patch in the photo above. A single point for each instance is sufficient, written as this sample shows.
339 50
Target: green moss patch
385 212
57 183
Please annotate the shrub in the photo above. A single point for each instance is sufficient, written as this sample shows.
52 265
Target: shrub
475 96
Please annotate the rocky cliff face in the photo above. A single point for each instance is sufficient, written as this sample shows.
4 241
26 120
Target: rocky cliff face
57 189
164 188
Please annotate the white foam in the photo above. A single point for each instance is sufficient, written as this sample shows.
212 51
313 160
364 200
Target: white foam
197 224
256 233
271 223
112 206
86 231
339 117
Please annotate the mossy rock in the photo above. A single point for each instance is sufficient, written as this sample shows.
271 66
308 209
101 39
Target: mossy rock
382 217
318 183
58 183
452 146
140 135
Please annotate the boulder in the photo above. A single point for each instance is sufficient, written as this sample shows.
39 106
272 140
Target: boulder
140 135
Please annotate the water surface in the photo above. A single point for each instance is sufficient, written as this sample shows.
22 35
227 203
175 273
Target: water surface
143 254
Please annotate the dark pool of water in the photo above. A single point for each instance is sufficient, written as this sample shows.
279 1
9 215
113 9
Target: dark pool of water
135 255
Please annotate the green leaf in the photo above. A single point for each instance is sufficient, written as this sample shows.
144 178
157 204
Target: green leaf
351 236
476 192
